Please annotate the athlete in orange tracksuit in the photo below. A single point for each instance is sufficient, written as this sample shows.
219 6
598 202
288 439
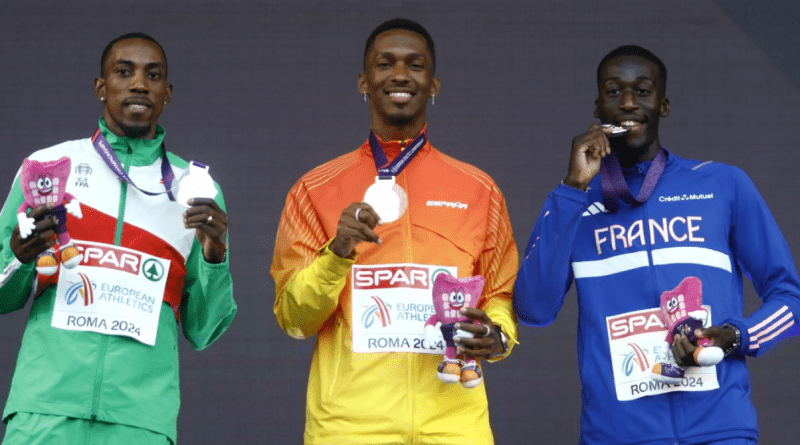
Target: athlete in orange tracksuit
390 397
372 379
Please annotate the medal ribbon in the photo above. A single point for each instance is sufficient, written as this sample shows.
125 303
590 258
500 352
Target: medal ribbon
387 170
104 149
615 188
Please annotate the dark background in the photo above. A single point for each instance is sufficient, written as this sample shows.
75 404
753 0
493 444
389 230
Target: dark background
265 91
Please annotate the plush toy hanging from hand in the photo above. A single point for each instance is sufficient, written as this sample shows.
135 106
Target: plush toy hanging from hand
682 313
450 295
45 183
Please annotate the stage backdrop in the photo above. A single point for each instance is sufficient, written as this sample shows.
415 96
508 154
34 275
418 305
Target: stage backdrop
266 90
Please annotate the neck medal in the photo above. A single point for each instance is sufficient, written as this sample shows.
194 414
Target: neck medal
385 196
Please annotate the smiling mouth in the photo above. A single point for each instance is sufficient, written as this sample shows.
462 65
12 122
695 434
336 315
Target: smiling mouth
629 124
400 97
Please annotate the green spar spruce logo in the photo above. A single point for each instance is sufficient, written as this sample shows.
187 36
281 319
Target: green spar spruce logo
153 270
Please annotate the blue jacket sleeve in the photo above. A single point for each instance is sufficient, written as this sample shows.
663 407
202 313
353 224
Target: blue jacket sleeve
545 276
761 250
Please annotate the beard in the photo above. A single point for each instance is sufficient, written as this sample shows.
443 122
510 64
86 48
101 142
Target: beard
400 120
135 131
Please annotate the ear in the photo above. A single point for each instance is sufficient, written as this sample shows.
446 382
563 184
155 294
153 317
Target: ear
436 86
362 84
168 97
665 107
99 88
596 113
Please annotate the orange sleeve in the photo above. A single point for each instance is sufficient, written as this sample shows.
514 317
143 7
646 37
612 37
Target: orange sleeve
498 263
308 276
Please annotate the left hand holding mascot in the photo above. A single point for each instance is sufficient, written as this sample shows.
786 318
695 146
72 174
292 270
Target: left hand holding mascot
45 183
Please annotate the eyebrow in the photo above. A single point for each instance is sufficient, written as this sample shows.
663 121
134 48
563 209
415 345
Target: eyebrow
392 55
638 78
149 65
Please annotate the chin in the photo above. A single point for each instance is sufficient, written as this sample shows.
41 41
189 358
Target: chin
400 120
135 130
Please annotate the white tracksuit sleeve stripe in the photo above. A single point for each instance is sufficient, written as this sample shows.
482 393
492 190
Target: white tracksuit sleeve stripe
752 331
692 255
776 333
610 266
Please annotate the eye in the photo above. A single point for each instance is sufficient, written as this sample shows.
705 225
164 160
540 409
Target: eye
460 297
124 71
48 183
672 304
154 75
40 183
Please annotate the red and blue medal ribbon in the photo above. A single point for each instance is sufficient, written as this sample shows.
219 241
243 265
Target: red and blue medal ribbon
383 166
112 161
615 188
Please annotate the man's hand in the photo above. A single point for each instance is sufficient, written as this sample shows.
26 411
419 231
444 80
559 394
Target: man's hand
211 227
41 237
486 342
683 349
356 224
588 150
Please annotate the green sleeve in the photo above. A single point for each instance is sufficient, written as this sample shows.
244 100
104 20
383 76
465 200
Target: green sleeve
207 307
16 279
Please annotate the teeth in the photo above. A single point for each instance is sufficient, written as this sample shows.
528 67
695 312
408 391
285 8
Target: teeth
138 107
628 123
400 95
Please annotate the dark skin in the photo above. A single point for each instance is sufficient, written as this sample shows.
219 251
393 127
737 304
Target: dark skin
134 90
398 78
631 94
42 238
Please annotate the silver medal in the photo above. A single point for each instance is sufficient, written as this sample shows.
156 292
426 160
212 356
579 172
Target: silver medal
195 182
387 198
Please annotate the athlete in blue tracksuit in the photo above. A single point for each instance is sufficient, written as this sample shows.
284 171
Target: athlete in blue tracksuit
705 220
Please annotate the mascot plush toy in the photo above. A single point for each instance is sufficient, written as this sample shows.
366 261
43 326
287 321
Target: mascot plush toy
45 183
450 295
682 313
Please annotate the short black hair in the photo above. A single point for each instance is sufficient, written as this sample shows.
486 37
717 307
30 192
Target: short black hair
634 50
130 35
408 25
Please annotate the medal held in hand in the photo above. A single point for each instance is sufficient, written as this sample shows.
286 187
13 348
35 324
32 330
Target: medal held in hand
387 198
194 183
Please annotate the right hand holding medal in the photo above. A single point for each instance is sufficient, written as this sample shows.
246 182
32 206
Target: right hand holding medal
356 224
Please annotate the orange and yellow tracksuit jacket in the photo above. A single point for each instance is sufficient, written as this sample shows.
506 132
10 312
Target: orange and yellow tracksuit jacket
456 216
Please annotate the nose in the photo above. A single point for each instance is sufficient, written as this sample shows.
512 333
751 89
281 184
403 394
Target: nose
400 73
138 82
628 101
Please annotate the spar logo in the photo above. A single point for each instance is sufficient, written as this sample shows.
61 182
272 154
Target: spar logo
153 270
635 323
378 311
637 356
83 289
110 257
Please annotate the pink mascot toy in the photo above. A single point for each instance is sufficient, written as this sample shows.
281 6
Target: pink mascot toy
450 295
45 183
682 313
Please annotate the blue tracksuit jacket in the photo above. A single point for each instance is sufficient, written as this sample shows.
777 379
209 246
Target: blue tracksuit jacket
703 219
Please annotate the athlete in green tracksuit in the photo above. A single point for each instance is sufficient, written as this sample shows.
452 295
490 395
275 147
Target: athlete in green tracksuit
85 382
